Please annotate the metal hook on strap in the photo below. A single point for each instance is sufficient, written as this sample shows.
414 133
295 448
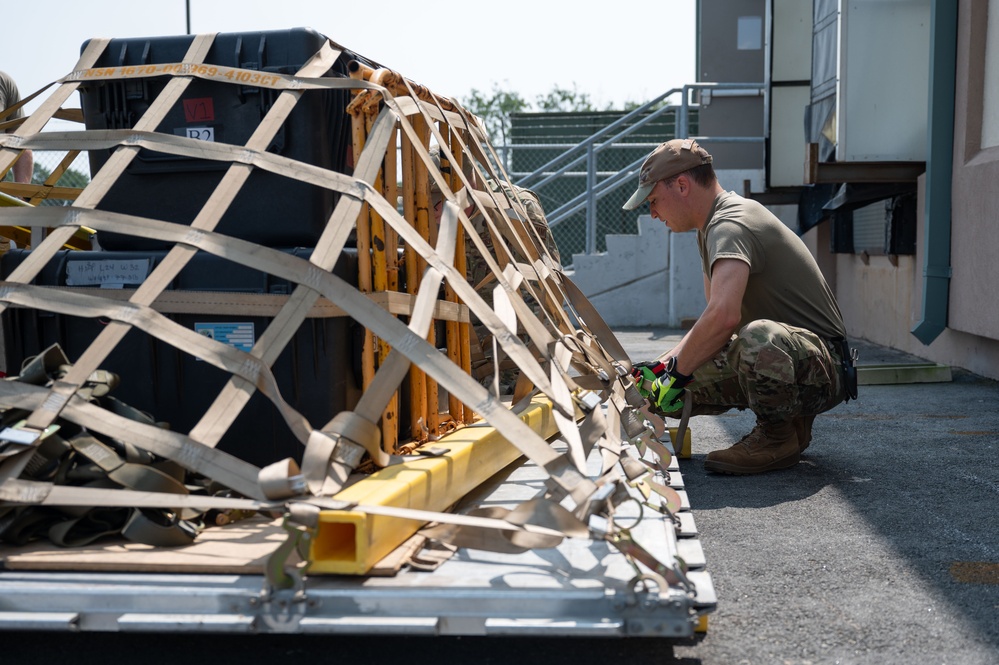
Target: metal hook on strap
300 523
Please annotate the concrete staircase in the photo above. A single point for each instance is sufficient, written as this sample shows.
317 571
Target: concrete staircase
652 278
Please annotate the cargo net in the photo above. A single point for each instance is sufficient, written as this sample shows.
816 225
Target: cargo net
454 273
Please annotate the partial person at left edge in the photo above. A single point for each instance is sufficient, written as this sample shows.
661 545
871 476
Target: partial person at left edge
9 96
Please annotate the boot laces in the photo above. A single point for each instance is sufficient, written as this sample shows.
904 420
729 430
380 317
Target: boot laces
755 436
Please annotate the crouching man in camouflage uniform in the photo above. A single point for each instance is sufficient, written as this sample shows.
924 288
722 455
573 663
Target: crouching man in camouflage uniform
771 338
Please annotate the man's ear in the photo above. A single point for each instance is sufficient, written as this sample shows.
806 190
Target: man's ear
683 184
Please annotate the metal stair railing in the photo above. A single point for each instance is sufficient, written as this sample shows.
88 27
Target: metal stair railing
611 137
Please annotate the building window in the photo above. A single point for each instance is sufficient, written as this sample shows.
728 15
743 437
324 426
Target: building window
990 100
750 37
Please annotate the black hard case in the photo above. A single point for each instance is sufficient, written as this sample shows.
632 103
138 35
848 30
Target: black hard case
269 209
314 372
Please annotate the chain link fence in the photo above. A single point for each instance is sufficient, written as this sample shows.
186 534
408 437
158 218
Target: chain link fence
47 162
539 139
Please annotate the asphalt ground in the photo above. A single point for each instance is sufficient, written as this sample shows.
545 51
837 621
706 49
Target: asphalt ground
880 546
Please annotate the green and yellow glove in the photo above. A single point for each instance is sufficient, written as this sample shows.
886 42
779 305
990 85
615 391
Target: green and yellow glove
668 388
645 375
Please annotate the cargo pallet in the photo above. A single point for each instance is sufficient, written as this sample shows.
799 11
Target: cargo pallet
428 503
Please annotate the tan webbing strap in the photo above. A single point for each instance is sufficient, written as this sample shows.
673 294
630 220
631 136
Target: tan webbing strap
109 173
15 492
560 394
610 445
522 211
594 323
281 480
223 356
566 425
223 74
540 512
222 467
207 218
90 197
512 345
593 429
31 492
535 330
397 335
185 147
389 375
331 455
681 430
234 395
539 335
37 120
508 315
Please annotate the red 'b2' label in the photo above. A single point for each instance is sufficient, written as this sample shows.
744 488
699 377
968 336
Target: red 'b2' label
199 110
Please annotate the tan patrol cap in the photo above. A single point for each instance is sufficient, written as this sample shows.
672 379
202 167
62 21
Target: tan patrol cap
669 159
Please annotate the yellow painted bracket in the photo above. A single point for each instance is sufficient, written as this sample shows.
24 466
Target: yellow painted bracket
352 542
683 449
22 236
870 375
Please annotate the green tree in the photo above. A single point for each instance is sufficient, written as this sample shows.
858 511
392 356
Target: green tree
563 99
71 178
494 109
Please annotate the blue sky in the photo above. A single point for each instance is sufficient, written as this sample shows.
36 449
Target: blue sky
607 50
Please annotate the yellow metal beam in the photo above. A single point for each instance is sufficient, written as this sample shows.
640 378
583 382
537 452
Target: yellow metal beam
350 542
22 236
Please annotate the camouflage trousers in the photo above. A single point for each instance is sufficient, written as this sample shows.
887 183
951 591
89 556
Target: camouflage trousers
775 370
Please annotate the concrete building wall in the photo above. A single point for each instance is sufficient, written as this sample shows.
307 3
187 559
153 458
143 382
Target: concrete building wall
732 50
974 298
881 296
881 300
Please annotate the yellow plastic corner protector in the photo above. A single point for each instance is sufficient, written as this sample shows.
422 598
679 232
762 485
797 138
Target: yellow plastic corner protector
352 542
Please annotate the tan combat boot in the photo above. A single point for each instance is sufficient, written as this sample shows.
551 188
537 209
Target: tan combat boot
770 446
803 428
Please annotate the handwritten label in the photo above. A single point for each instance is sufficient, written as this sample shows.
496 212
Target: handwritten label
107 274
201 109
